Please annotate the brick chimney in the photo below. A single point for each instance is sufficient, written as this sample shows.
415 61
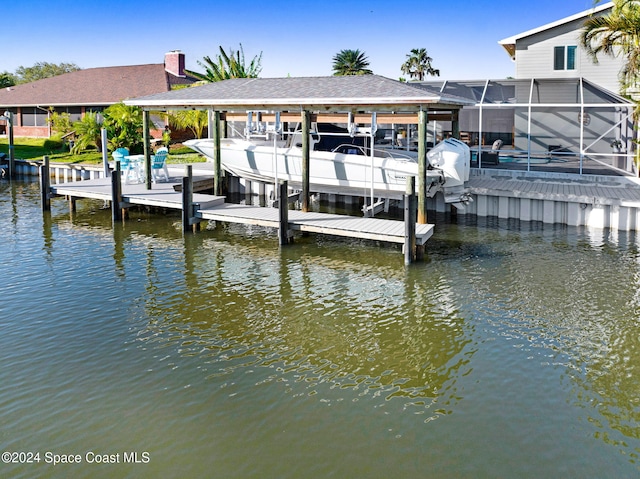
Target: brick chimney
174 63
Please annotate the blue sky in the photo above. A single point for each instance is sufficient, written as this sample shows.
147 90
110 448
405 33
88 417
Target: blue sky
296 38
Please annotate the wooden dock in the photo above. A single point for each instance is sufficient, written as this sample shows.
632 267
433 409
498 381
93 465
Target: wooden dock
392 231
164 195
209 207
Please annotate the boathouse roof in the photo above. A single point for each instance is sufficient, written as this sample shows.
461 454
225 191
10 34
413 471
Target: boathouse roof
329 93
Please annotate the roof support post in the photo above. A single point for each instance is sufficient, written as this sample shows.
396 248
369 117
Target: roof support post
217 155
581 124
306 153
455 126
529 113
422 166
147 148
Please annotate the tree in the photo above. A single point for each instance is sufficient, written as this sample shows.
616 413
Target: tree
87 133
194 120
616 33
418 64
351 62
61 123
43 70
7 79
124 126
226 66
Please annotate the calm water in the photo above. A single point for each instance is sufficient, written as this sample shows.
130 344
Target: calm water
513 351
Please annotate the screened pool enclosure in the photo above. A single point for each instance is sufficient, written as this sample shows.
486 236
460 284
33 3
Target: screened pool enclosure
563 125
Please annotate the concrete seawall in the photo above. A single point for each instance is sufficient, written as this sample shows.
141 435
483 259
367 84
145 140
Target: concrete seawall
593 201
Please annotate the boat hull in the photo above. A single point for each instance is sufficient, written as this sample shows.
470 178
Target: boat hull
334 172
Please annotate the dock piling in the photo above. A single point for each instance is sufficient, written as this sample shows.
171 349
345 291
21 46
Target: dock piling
410 221
187 198
45 184
116 193
283 207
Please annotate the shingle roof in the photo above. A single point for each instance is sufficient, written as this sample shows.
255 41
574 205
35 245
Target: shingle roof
93 86
330 92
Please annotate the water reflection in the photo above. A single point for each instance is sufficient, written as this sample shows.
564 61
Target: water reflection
581 314
317 320
345 321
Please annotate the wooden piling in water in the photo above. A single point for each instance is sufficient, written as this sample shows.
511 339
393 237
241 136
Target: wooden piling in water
116 193
283 207
45 184
187 199
410 221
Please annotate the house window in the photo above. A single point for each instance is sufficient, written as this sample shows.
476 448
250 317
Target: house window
564 58
571 57
34 117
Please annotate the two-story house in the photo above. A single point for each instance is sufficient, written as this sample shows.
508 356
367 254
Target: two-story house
554 51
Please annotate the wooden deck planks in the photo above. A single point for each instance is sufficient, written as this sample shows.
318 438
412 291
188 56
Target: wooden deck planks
313 222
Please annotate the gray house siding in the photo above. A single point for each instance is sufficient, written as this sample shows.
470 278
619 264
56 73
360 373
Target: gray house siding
534 55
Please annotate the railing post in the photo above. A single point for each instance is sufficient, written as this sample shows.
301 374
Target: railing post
12 151
105 152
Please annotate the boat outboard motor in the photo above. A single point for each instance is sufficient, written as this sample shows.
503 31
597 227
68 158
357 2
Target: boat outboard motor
453 158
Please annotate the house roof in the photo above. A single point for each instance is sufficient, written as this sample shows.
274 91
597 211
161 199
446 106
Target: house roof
92 87
509 44
330 93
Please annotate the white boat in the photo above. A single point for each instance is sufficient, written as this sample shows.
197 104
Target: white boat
348 169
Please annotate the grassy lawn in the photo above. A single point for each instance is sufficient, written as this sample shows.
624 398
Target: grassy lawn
34 149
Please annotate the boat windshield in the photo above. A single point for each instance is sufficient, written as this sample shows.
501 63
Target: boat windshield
349 149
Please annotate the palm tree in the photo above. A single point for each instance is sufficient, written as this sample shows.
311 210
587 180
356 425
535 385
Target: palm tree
124 126
617 33
226 66
418 64
351 62
194 120
87 132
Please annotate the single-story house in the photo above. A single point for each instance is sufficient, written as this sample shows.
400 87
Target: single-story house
92 89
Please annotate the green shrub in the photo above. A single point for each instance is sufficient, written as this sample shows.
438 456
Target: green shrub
53 144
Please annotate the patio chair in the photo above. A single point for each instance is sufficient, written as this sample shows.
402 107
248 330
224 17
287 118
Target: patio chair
492 157
127 168
159 165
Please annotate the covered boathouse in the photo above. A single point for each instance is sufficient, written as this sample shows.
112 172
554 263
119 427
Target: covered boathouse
368 106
